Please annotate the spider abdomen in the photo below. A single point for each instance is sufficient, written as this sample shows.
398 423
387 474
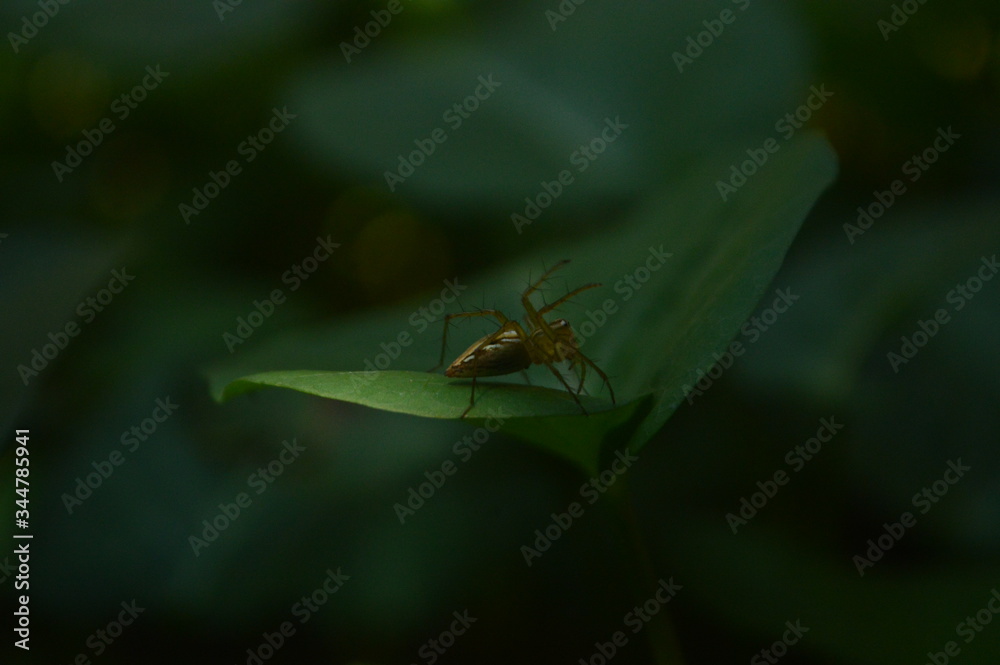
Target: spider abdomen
503 354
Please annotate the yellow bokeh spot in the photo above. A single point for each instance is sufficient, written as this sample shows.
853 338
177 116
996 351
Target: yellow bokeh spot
957 50
395 255
67 93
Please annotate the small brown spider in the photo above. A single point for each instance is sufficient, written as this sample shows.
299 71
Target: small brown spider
512 348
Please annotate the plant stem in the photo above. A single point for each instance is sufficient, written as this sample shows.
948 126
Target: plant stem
659 631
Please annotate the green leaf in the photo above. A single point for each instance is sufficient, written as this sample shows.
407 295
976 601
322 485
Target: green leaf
680 278
727 255
533 413
422 394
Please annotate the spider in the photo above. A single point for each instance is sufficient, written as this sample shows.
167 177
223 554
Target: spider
512 348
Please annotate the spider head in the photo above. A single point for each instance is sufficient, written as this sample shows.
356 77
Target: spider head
565 342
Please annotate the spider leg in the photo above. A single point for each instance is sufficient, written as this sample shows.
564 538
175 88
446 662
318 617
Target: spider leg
604 377
582 369
549 308
529 309
541 280
566 385
472 395
535 317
